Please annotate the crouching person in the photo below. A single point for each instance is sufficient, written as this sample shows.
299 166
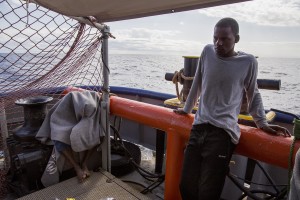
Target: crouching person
72 125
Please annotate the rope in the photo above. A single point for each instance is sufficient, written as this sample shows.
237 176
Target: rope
179 77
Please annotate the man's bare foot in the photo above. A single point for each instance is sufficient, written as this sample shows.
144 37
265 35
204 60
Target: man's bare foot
86 170
81 175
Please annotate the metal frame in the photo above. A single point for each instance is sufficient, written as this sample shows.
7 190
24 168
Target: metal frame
106 154
105 124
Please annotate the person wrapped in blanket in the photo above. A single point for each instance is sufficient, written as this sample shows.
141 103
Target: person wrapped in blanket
72 125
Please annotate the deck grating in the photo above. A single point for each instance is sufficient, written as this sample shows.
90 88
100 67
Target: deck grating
100 185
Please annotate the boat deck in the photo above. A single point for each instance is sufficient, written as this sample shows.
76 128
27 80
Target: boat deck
100 185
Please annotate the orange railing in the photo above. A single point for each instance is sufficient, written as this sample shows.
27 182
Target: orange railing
254 143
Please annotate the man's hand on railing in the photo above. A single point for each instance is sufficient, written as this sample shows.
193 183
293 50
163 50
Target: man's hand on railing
276 130
179 111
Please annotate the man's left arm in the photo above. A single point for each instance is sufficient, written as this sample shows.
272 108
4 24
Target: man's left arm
265 126
256 108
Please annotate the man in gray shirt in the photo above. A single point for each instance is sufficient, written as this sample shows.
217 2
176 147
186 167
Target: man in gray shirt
221 79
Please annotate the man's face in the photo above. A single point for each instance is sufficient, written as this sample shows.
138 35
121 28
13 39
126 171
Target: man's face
224 41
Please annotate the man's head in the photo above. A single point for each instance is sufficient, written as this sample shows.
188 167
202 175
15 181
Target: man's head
226 34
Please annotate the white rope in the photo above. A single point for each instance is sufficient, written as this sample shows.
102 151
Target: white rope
180 77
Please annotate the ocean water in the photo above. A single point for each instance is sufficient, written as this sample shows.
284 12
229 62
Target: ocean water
148 72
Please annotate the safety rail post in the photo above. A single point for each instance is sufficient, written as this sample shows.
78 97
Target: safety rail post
105 123
174 160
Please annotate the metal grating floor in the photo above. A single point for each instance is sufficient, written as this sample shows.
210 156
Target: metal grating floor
100 185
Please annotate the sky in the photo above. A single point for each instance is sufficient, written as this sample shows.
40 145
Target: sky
268 28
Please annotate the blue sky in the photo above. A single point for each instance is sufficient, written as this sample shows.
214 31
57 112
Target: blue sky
268 28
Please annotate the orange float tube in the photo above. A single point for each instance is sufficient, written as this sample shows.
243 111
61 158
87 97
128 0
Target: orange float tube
254 143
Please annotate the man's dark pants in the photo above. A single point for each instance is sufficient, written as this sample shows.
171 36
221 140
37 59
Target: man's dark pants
205 164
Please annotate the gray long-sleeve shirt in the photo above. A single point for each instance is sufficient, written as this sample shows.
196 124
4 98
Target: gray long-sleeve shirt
220 83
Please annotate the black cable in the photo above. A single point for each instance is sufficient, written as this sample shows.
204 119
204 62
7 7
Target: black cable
134 182
116 136
131 157
250 193
268 177
282 194
261 184
119 125
149 174
242 188
271 195
153 186
144 173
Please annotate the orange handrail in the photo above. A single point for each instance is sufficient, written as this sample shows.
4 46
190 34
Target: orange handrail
254 143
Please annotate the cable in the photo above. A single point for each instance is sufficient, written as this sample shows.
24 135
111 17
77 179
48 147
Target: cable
279 194
261 184
134 182
144 173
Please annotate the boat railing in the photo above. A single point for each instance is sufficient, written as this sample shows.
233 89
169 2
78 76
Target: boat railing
254 143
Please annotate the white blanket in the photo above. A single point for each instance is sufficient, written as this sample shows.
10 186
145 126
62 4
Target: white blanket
74 120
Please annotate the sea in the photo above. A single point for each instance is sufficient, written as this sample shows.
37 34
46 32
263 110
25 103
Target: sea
148 72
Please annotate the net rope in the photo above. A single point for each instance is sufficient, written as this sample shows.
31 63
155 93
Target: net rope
41 53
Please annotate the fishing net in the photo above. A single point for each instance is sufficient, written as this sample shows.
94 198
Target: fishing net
42 53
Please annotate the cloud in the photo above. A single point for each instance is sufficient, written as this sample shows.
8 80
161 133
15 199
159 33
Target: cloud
283 13
144 33
149 40
270 49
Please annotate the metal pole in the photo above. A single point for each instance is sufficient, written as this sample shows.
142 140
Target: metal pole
3 122
105 124
4 135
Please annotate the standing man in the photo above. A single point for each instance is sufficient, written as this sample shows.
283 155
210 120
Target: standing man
221 78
